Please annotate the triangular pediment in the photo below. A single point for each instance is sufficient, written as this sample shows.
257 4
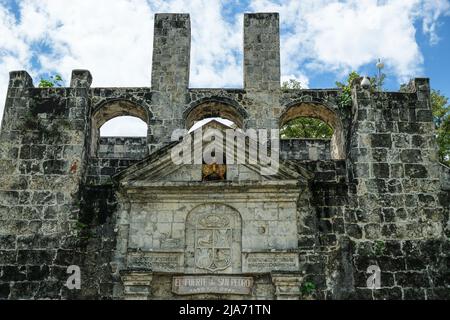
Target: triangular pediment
161 167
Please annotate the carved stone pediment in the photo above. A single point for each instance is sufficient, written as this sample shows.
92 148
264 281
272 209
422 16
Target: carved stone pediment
159 168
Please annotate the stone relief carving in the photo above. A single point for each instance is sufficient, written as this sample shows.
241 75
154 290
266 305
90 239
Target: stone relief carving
213 234
213 243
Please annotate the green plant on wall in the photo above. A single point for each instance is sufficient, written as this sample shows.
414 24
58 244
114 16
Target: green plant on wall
441 117
54 81
291 84
80 225
440 108
308 288
379 247
345 98
83 230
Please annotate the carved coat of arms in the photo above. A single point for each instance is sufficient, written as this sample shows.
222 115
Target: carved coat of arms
213 238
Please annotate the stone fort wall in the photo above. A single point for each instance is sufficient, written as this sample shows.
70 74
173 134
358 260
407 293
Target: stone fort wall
377 197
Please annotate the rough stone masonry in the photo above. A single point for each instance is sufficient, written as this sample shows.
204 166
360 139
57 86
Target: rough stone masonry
140 227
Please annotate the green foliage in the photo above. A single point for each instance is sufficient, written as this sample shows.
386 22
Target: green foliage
291 84
404 88
347 86
441 113
80 225
379 247
308 128
84 232
308 288
54 81
345 98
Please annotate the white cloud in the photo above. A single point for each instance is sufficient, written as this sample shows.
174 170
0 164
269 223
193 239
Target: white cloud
14 52
304 81
339 36
113 39
431 11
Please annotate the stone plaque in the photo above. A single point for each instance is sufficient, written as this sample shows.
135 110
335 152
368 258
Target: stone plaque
270 261
156 261
188 285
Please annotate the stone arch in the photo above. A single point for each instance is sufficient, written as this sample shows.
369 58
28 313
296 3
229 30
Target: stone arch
211 107
110 109
213 239
321 111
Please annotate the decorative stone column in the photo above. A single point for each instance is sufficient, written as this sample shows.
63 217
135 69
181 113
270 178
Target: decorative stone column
137 284
287 285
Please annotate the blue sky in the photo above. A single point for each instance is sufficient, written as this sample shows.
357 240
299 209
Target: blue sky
321 40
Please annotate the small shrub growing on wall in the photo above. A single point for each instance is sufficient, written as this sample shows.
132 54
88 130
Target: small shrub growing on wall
53 81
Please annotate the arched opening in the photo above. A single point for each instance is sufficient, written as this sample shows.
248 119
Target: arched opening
123 137
315 122
214 110
119 124
124 126
306 128
214 114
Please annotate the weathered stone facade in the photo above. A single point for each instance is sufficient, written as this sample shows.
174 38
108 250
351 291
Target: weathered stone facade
141 227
